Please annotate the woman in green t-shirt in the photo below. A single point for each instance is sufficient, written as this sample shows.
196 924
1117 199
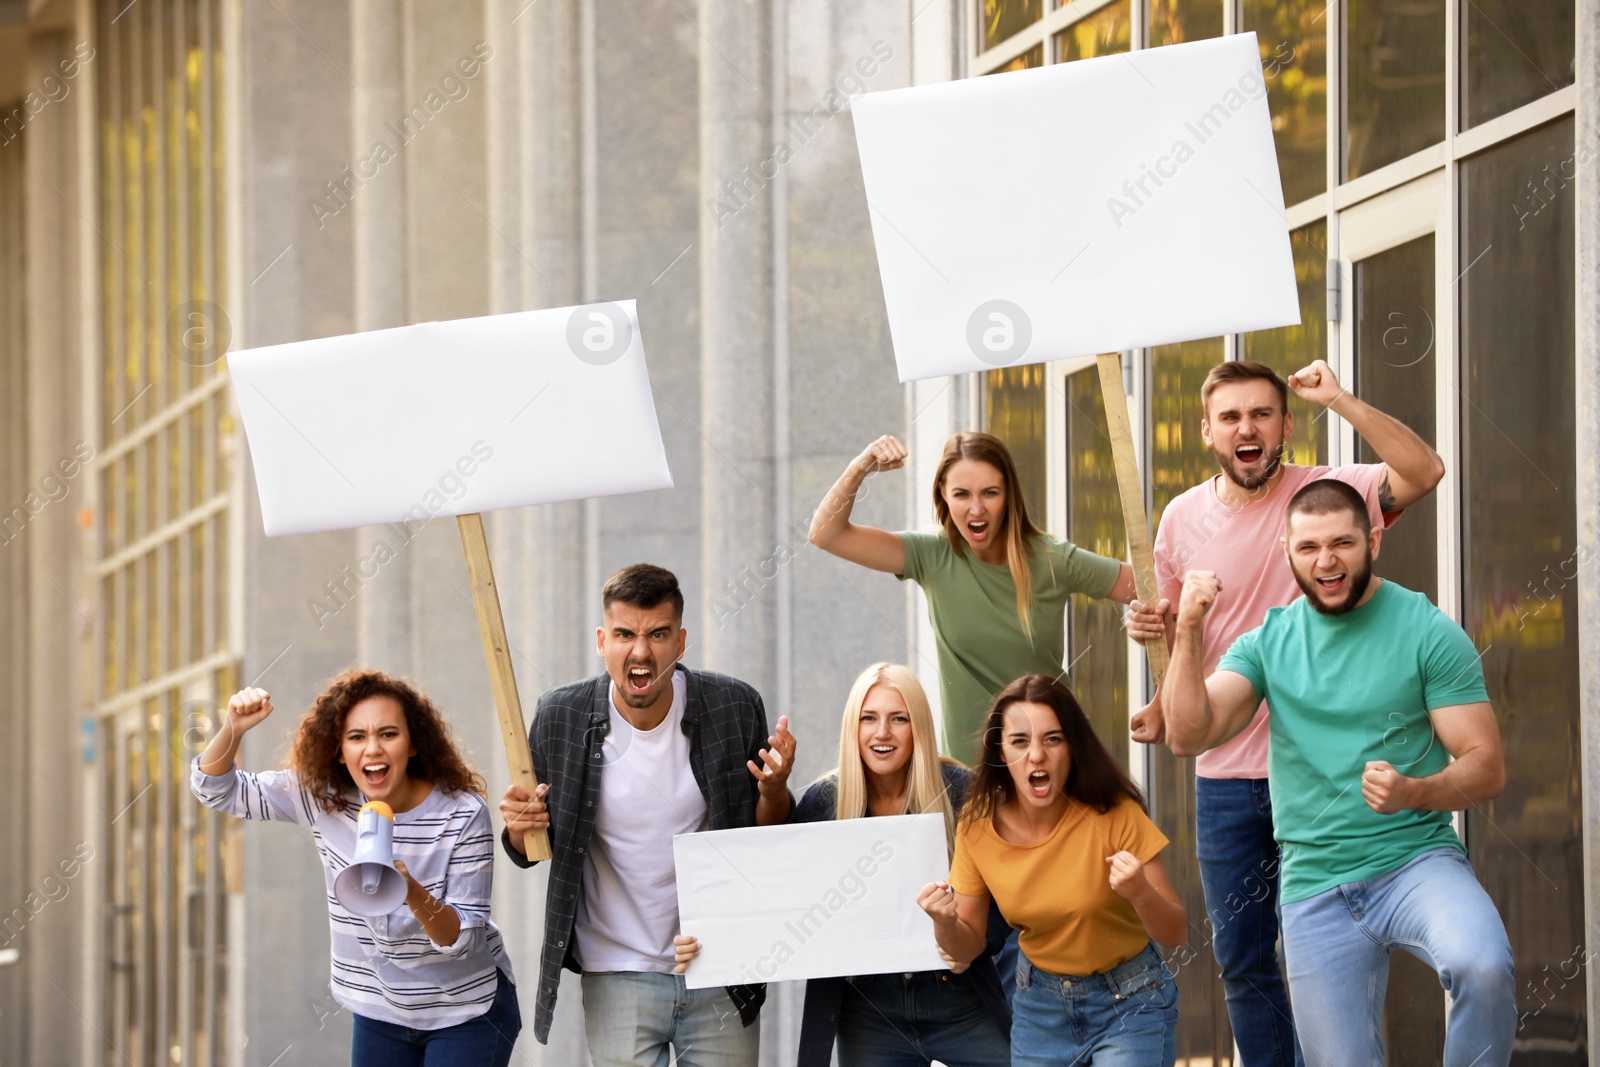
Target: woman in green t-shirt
997 585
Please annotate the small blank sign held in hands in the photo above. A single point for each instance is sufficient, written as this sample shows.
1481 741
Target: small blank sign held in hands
813 900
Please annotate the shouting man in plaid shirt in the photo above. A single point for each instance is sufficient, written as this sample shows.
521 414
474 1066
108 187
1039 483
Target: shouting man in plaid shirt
626 760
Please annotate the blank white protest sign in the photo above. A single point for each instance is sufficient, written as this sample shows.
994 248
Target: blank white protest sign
811 900
450 418
1080 208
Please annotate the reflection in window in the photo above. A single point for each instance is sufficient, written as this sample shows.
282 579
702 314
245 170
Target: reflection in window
1014 403
1288 348
1103 33
1176 21
1033 57
1180 459
1294 44
1000 19
1520 565
1516 52
1394 71
1097 647
1395 334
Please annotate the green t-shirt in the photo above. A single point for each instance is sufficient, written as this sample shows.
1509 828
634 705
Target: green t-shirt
979 638
1345 690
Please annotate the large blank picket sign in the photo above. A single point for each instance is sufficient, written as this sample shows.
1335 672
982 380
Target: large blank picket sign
1080 208
454 418
394 425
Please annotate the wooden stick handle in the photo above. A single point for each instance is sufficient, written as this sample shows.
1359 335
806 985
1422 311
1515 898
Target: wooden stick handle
502 679
1132 491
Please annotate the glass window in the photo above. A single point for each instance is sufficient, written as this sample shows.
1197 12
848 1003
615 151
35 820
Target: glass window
1520 564
1180 459
1394 89
1097 647
1103 33
1288 348
165 468
1033 57
1293 40
1014 412
1176 21
1002 19
1395 372
1515 52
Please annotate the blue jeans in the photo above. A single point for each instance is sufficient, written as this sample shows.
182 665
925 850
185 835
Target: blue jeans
1239 871
909 1020
1338 945
486 1040
646 1019
1125 1017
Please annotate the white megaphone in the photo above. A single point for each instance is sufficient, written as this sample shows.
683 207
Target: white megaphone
371 886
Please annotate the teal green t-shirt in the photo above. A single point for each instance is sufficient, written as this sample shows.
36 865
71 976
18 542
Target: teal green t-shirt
1344 690
979 639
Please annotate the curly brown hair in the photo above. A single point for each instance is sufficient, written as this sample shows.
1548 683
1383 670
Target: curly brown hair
316 756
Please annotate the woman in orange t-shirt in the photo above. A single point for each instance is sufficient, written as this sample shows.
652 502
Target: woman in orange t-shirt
1056 834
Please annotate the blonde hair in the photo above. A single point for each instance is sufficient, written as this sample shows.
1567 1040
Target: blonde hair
1015 525
925 789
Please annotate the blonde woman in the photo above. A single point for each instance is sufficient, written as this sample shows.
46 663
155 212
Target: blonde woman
997 585
889 764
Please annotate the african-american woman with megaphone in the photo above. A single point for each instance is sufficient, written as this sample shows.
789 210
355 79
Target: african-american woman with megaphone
399 820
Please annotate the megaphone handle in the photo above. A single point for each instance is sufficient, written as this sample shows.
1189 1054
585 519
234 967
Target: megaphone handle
502 679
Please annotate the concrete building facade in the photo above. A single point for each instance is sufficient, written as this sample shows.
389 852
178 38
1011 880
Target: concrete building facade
179 178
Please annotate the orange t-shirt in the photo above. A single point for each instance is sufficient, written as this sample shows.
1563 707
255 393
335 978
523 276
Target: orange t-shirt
1058 891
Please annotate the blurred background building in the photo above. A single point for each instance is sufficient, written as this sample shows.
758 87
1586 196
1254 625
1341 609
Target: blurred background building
181 177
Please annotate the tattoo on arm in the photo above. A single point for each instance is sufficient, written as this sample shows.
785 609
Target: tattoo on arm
1385 496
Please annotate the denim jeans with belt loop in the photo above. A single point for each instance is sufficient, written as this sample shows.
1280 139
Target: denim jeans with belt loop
1124 1017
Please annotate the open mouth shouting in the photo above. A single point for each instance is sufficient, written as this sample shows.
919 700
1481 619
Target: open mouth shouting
640 678
373 775
978 531
1331 585
1039 784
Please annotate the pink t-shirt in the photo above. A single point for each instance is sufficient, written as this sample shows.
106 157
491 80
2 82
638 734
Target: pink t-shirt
1243 546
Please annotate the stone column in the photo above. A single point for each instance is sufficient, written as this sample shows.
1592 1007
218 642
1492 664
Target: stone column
736 311
385 635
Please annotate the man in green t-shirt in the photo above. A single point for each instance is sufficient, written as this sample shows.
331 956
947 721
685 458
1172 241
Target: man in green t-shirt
1372 690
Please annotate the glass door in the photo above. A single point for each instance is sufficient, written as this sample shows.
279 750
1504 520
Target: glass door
1396 319
1389 348
127 907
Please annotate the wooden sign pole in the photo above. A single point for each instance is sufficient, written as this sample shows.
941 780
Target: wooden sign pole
1132 491
503 680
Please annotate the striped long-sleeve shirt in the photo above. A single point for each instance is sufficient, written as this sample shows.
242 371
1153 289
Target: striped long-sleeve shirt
387 968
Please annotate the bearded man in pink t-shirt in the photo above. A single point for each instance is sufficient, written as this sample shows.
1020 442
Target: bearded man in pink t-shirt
1232 524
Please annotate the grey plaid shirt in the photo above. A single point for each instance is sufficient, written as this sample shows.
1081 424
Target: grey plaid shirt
726 724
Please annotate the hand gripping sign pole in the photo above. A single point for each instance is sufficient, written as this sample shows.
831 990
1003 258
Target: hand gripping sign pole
455 418
502 678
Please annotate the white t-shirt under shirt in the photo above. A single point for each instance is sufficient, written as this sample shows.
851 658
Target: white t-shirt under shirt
629 912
